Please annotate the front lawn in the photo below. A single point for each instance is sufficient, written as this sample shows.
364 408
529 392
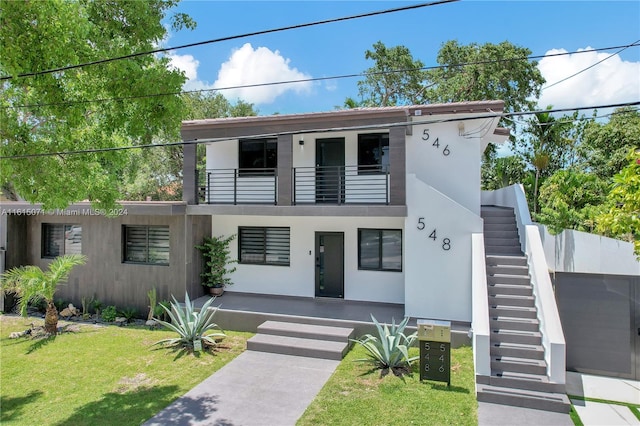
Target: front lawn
101 375
355 395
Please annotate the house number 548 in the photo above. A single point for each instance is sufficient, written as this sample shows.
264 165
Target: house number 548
446 242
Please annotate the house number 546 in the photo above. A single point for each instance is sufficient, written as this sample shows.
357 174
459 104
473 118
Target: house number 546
436 143
446 242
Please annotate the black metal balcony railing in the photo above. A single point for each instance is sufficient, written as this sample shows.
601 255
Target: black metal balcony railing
341 185
238 186
310 185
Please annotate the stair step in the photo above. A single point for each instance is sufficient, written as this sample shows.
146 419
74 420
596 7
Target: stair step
504 226
534 382
508 270
501 234
491 220
509 279
518 350
556 402
307 331
298 346
510 289
496 211
516 336
513 311
510 242
518 324
502 250
503 260
511 300
519 365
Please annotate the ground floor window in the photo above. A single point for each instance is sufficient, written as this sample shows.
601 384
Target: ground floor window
146 244
267 246
59 239
380 249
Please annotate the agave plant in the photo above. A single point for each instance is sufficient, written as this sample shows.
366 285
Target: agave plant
390 348
191 325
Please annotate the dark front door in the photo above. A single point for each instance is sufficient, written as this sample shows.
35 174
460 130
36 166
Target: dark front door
330 170
330 264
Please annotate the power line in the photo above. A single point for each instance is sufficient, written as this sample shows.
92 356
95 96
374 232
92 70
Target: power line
635 43
321 130
234 37
315 79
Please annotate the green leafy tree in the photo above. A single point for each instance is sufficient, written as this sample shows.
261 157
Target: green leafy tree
32 284
571 199
49 112
157 172
544 147
499 71
503 171
622 220
605 146
394 79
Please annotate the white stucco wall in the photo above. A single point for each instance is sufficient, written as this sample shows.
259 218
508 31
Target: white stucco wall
457 174
581 252
298 279
437 281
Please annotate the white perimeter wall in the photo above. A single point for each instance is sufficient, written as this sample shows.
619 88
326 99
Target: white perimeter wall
298 279
575 251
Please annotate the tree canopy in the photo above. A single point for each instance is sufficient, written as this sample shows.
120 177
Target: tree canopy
90 107
157 172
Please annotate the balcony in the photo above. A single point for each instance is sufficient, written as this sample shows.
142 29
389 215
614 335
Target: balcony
327 185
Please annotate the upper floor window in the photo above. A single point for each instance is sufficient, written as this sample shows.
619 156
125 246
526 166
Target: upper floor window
373 153
258 157
268 246
59 239
380 249
146 244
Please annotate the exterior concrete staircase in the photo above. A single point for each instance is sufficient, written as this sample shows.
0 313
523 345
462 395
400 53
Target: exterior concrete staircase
518 367
308 340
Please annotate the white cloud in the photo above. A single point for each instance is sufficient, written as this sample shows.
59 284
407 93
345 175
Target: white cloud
189 65
612 81
247 66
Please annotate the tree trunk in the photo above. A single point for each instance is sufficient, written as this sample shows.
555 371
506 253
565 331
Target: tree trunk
51 319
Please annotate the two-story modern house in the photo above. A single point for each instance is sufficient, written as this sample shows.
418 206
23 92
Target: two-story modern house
372 204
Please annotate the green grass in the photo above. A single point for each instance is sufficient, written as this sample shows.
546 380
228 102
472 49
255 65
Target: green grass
100 375
356 395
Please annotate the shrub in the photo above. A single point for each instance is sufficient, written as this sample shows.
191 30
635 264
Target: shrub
129 313
109 314
96 305
190 325
389 349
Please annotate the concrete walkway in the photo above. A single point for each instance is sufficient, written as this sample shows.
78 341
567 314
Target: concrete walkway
590 413
605 388
256 388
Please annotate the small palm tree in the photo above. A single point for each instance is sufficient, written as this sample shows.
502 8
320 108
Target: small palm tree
30 283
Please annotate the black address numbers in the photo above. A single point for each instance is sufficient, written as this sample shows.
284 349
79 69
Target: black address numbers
433 235
436 143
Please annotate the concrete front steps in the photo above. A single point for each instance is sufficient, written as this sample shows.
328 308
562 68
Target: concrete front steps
518 369
308 340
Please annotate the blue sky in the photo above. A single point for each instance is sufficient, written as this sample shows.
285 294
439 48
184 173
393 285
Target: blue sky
339 48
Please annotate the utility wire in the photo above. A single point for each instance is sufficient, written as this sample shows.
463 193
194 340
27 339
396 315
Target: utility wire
315 79
234 37
321 130
635 43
